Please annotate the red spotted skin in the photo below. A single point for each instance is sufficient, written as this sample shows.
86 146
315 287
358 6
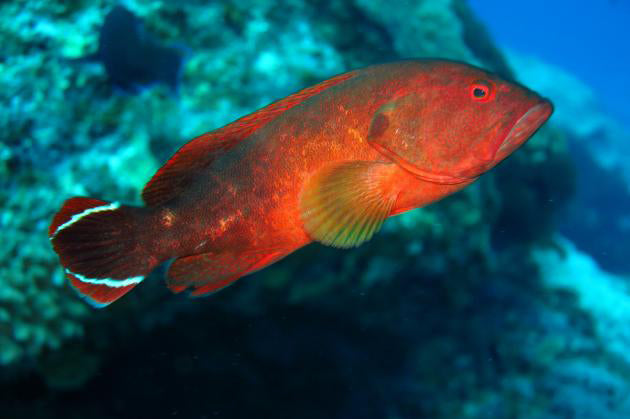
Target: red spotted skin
247 200
328 163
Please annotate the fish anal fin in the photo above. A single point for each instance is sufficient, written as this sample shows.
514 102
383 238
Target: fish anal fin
212 287
345 203
172 178
210 272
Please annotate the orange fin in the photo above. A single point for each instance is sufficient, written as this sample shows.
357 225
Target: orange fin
97 294
70 208
344 204
100 245
211 272
172 178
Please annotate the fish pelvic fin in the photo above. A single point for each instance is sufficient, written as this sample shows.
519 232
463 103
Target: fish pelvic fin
100 245
181 169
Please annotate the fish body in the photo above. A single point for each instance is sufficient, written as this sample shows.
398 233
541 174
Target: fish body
329 164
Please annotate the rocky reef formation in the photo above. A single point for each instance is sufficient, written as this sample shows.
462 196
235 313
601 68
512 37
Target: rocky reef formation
68 132
447 312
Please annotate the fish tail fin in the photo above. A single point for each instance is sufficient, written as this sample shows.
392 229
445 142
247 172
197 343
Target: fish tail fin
102 248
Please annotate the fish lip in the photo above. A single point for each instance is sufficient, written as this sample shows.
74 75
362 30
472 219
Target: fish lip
524 128
517 134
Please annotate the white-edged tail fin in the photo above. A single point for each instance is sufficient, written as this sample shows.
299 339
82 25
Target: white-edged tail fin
100 247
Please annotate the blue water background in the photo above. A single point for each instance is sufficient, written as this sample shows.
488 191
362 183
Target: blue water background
588 38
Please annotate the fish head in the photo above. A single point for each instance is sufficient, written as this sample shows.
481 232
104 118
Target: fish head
455 121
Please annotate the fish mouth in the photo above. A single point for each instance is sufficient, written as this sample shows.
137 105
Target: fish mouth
523 129
516 136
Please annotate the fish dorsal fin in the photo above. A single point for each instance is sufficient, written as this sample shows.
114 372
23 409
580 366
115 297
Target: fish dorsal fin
344 204
172 178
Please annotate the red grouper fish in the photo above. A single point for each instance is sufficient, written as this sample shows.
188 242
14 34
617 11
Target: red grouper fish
329 163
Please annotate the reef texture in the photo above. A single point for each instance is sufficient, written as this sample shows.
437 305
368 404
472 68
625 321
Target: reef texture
448 312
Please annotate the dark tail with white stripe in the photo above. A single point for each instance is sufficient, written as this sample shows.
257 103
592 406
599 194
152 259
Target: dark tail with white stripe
102 247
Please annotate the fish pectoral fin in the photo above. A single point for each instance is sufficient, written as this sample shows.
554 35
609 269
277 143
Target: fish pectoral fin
344 204
210 272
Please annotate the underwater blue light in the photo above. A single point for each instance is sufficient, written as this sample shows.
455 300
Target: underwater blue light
590 39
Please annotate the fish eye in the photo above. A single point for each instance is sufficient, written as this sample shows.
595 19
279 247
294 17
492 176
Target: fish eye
481 92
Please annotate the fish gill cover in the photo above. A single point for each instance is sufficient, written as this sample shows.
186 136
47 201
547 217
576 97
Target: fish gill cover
452 311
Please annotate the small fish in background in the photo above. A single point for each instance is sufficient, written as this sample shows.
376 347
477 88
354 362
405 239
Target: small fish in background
329 163
132 58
